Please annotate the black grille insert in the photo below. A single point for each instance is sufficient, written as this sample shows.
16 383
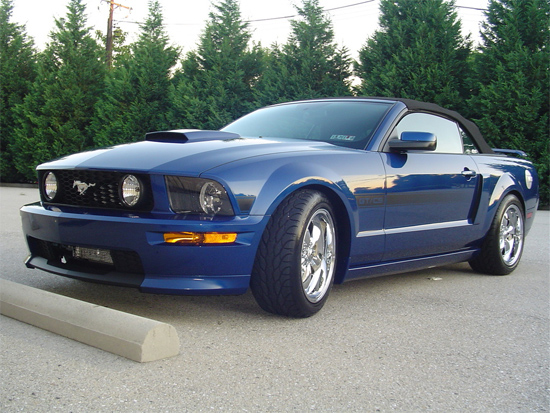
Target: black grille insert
95 189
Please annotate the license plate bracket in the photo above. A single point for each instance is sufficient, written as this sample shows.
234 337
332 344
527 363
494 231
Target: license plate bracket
96 255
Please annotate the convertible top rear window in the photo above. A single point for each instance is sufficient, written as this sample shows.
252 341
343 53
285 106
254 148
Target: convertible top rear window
349 124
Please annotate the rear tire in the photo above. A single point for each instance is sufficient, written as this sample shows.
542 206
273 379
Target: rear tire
502 248
296 259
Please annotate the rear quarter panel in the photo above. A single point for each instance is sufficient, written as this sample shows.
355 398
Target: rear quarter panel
502 176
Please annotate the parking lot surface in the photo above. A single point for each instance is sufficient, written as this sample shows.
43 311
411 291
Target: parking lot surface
445 340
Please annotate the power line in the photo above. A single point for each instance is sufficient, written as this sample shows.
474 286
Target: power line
261 20
344 7
471 8
295 15
292 15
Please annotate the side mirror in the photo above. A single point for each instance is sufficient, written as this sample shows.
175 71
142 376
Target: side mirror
414 141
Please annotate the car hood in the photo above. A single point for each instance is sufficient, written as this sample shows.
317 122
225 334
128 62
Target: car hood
190 158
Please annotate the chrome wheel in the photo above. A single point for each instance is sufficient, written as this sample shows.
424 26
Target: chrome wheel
317 257
297 258
501 249
511 235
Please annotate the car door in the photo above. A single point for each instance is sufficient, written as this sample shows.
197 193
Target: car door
431 196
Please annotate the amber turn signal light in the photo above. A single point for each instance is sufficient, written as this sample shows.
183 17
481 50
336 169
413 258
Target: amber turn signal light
199 238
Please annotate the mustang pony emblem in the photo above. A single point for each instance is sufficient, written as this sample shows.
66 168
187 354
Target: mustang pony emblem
82 186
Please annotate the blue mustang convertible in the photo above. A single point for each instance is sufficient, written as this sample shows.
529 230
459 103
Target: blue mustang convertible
287 201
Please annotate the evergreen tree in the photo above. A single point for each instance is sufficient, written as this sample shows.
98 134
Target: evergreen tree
136 99
511 105
310 64
55 116
216 83
17 72
418 53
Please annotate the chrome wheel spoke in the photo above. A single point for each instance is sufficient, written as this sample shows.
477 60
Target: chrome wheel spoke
317 255
316 280
511 235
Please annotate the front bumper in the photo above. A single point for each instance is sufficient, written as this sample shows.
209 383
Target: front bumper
141 258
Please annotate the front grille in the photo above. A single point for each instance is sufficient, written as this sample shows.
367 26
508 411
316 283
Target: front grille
95 189
60 255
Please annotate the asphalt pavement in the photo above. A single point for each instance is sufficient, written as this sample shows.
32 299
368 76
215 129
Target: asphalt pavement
441 340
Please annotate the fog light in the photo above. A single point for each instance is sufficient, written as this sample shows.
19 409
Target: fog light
198 238
130 190
50 186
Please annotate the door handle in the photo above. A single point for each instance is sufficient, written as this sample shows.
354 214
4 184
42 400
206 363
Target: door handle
469 174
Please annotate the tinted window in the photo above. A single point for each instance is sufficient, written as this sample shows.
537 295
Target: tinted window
348 124
446 131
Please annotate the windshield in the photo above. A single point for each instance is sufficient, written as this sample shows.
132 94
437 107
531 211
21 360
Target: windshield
349 123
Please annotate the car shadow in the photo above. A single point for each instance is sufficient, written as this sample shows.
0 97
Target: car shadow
205 309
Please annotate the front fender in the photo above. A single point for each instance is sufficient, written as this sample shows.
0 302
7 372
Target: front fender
265 182
289 178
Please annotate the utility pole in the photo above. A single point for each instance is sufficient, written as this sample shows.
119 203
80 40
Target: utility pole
109 42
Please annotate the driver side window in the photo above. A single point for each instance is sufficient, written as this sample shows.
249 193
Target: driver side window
446 131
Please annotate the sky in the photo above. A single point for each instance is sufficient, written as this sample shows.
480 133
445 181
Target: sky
354 21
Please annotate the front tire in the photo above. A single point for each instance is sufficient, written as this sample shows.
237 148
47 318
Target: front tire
296 259
502 248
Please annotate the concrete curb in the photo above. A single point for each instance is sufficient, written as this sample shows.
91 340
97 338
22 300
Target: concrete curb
137 338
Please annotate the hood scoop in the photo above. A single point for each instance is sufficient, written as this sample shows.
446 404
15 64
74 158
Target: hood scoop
189 135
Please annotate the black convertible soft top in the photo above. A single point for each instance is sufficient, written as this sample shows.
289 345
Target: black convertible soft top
469 126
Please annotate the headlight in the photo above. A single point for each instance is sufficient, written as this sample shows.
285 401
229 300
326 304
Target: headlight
50 186
211 198
197 196
130 190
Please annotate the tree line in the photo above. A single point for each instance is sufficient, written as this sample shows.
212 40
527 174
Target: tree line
67 99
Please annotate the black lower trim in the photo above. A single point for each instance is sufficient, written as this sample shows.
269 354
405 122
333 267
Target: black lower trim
95 275
124 261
